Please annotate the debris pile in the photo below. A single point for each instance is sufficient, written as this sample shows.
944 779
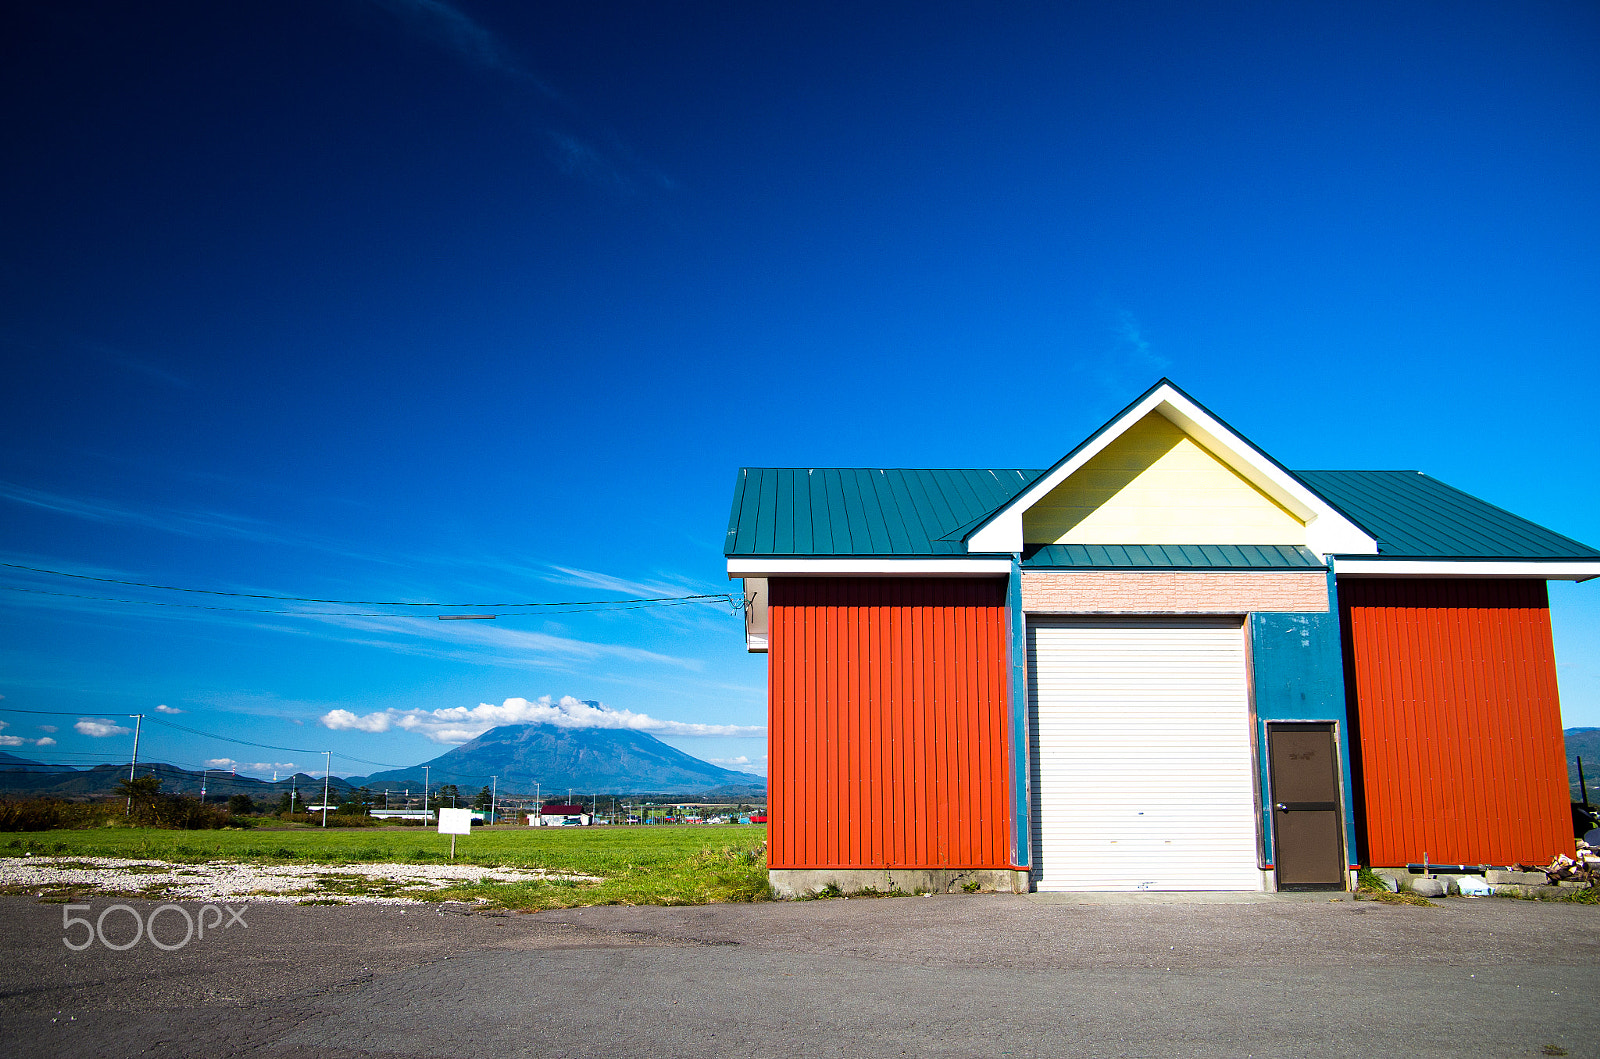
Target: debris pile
1582 867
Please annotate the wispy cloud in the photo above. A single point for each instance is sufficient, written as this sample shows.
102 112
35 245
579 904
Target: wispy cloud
172 520
59 347
100 727
621 586
1130 360
547 647
507 646
164 708
450 28
598 158
184 522
742 763
137 365
460 724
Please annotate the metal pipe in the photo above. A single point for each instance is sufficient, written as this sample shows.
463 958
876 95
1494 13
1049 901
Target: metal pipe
1453 869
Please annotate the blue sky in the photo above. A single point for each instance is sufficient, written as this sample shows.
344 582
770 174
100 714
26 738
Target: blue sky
477 302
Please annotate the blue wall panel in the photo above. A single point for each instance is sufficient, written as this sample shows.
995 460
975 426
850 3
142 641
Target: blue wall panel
1299 676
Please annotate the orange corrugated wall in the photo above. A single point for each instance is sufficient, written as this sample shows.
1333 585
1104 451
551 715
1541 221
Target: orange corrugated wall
1458 720
887 723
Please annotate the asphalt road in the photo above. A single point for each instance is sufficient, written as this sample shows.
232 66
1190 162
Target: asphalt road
943 976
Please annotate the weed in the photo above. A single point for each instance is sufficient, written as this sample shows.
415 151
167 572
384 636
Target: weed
1552 1049
1404 897
972 886
1369 880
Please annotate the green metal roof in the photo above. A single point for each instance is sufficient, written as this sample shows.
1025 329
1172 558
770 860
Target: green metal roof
1417 517
841 511
848 511
1172 556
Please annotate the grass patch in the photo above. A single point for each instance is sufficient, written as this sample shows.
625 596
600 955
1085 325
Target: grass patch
657 865
1371 887
1588 895
1404 897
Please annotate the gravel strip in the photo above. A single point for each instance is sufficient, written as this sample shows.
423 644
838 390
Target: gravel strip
225 880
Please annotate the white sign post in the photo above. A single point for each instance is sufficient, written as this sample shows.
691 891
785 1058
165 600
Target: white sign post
455 822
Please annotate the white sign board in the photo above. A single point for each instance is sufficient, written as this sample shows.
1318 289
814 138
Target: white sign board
455 821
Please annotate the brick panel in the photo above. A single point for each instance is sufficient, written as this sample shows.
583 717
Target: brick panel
1172 591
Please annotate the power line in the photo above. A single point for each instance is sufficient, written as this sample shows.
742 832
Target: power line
211 735
269 746
572 608
353 602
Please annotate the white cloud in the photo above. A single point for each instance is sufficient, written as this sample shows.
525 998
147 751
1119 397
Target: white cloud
52 729
100 728
345 721
167 709
459 724
220 762
18 740
742 763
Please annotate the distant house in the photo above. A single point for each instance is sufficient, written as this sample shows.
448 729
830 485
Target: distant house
402 814
560 816
1166 662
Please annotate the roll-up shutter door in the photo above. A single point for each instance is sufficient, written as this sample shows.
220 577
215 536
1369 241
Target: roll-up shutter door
1143 776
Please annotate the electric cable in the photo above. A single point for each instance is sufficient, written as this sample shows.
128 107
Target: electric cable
573 608
352 602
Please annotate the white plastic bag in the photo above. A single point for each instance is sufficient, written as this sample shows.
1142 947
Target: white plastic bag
1473 886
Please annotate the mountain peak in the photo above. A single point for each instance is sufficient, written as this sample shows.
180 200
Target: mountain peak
591 760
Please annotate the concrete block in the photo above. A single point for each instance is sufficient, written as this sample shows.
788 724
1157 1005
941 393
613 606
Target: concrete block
804 882
1427 886
1520 878
1525 890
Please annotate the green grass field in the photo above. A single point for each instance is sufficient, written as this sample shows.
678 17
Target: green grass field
687 864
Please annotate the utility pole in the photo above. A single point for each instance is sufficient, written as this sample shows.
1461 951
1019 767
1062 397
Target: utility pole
327 766
203 776
494 792
425 795
138 720
294 791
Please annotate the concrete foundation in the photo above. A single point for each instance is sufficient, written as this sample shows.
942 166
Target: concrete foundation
1512 883
806 882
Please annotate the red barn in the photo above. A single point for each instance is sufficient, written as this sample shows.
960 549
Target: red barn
1164 662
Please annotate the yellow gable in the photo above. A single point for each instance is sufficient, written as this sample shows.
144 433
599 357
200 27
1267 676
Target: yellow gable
1155 485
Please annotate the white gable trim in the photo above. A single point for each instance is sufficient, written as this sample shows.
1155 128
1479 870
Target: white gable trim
1327 531
1543 570
877 566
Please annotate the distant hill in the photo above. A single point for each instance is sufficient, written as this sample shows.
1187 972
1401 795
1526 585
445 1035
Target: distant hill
13 763
1584 743
588 760
102 780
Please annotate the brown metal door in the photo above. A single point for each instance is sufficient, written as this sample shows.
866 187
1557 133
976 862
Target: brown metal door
1307 836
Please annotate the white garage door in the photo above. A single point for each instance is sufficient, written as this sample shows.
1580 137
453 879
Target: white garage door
1141 756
